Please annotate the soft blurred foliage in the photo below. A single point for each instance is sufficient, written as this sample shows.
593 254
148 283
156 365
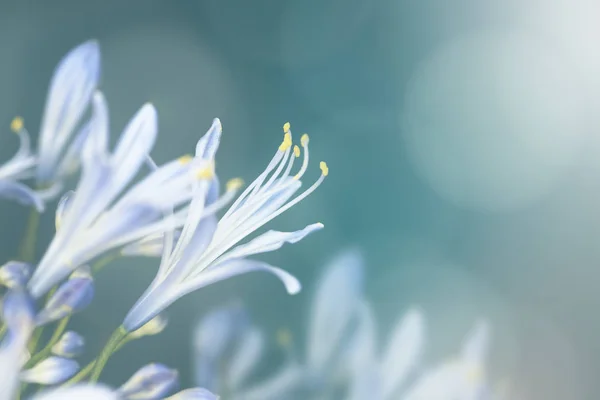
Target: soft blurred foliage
462 138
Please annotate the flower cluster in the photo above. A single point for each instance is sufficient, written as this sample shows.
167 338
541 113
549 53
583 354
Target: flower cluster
343 359
171 212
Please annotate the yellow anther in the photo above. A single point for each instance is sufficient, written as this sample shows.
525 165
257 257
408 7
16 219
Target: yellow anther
286 127
287 142
284 338
205 173
304 140
185 159
324 168
296 151
16 124
234 184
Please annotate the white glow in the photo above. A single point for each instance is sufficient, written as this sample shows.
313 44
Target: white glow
494 120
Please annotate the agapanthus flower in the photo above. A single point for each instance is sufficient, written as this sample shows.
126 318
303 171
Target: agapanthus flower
101 215
73 83
20 166
206 251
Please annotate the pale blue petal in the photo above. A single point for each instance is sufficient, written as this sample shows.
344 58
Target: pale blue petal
207 146
403 351
197 245
334 306
245 359
70 345
153 381
21 193
236 267
367 385
477 343
72 85
79 392
71 161
15 274
270 241
72 296
193 394
134 145
94 145
168 291
51 371
18 313
213 336
360 352
62 208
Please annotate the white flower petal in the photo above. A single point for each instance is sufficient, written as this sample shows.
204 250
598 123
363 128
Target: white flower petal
269 241
403 351
334 306
74 80
79 392
248 352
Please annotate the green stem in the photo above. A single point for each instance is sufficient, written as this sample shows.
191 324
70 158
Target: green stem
46 351
81 374
88 368
27 249
111 346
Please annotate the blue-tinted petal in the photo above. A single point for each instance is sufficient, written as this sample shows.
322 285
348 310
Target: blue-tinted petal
79 392
248 352
18 312
207 146
477 343
213 336
71 160
62 208
360 352
153 381
367 385
334 306
193 394
270 241
70 345
51 371
158 298
134 145
72 296
21 194
403 351
73 83
15 274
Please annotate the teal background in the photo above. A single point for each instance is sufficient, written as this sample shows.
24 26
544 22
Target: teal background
454 210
